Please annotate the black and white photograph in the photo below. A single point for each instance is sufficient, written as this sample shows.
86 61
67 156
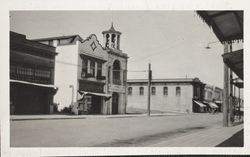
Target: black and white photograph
132 79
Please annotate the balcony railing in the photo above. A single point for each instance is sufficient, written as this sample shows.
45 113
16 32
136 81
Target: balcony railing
99 77
116 81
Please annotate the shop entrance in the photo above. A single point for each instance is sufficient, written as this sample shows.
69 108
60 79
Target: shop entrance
96 105
115 102
32 100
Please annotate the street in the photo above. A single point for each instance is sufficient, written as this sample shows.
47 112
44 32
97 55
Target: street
107 131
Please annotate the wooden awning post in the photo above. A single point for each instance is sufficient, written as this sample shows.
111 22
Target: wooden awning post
231 107
225 91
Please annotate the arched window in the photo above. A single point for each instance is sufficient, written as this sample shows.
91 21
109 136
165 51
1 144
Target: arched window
178 91
165 90
141 90
116 72
129 90
153 91
113 40
107 40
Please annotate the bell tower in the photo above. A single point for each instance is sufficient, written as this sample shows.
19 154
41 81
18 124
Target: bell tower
111 38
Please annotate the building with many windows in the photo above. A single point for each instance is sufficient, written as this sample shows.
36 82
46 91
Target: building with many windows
31 76
90 77
167 95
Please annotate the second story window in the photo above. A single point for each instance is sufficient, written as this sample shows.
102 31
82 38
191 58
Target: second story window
178 91
116 72
129 90
165 90
99 69
141 91
84 67
92 67
153 91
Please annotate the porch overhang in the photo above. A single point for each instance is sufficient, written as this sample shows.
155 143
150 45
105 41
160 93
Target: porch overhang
234 60
227 25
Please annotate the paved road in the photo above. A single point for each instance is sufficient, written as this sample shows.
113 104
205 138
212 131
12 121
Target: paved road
115 132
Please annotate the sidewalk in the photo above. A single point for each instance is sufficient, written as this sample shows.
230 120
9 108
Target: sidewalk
206 138
58 116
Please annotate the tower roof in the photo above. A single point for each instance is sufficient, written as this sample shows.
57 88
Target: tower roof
111 30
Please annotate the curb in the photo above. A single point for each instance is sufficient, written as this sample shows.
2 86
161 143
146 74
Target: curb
86 117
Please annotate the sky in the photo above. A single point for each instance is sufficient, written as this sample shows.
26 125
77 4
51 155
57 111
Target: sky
172 41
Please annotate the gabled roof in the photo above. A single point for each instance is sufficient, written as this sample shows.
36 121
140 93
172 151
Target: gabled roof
75 37
21 40
227 25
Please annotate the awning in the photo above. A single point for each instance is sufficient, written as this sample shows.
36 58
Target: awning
234 60
34 84
97 94
227 25
200 104
218 102
212 105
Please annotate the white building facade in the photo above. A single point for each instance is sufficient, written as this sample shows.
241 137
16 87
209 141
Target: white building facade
90 77
167 95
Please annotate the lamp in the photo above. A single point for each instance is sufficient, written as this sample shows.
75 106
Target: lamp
71 86
208 44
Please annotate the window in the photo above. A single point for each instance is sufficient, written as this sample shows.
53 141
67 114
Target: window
153 91
51 42
109 69
129 90
84 67
64 41
165 90
92 68
141 91
107 41
178 91
116 72
113 40
99 69
198 92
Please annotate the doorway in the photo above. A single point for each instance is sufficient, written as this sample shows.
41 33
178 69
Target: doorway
96 105
115 103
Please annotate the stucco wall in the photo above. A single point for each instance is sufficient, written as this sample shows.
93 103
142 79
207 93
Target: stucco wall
120 89
99 52
170 102
66 74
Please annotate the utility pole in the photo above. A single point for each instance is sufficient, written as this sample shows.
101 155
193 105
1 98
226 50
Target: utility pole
149 86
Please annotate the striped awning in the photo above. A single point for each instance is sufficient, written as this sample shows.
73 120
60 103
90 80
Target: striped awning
200 104
97 94
212 105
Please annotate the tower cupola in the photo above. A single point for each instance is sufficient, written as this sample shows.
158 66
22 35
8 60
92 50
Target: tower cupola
111 38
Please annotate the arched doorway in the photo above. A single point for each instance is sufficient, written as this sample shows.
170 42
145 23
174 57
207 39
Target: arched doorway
115 103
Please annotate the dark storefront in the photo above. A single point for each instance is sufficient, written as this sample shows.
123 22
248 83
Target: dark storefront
31 76
92 98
